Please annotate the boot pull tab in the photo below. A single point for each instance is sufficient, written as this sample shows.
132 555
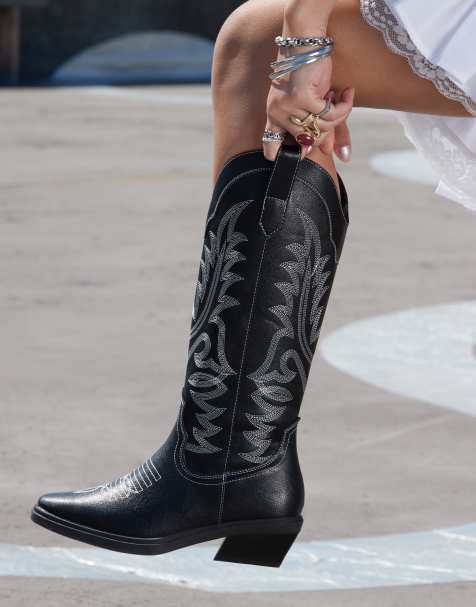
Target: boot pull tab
279 189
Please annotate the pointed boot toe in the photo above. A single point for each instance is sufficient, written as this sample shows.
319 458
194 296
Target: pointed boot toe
54 503
58 512
61 510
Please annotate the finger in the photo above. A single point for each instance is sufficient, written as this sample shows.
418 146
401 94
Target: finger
326 143
327 103
306 151
343 143
305 139
342 107
320 142
327 125
271 148
293 129
338 112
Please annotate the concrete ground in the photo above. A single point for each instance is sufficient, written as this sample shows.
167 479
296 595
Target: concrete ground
101 215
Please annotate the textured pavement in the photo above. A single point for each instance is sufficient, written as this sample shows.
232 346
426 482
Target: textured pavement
101 216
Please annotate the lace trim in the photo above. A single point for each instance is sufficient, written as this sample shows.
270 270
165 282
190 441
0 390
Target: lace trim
378 15
454 163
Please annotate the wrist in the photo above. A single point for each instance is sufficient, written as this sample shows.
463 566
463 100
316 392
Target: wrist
306 17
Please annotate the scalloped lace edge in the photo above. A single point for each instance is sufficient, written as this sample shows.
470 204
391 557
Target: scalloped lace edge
450 159
377 14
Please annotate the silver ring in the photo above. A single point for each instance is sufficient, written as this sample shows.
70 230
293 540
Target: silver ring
272 136
326 109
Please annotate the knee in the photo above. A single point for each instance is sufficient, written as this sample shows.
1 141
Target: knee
233 47
244 45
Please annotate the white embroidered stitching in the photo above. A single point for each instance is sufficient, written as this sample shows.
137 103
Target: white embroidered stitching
182 433
135 482
237 393
181 430
229 184
323 200
208 383
308 285
263 470
328 176
266 196
235 157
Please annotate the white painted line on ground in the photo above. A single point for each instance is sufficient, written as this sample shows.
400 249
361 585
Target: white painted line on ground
426 354
439 556
404 164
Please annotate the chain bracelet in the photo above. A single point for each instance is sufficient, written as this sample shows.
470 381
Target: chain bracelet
308 41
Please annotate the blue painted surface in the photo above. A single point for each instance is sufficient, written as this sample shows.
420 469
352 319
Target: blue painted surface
151 57
438 556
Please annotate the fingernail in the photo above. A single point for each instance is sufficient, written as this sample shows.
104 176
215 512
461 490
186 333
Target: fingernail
309 150
345 153
331 95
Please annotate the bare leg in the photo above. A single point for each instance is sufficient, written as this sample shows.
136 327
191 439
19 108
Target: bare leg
240 83
362 60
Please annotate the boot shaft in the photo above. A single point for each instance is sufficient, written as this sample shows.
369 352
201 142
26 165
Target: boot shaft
272 242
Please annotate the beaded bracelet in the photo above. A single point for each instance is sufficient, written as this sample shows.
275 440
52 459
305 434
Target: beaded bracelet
308 41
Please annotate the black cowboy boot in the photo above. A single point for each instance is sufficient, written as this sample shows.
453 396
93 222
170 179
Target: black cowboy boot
229 468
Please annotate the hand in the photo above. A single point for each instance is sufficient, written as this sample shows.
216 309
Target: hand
337 140
305 90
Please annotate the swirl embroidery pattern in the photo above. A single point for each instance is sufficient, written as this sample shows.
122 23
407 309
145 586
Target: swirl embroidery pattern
300 319
208 382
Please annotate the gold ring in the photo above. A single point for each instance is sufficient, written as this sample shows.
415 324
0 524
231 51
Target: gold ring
297 121
310 121
309 124
315 123
303 121
314 130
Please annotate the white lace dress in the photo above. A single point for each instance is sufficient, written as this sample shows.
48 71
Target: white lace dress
439 41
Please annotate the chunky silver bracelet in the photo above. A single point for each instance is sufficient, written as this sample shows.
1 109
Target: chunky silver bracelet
308 41
283 67
272 136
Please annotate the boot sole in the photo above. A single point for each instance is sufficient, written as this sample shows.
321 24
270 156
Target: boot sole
262 542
